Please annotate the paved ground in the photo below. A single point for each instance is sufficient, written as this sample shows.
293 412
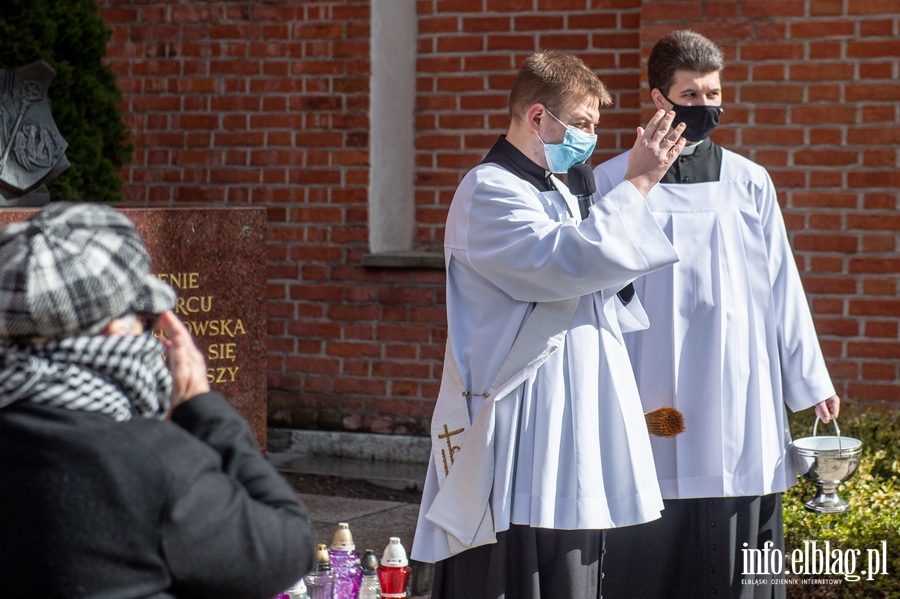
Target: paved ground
314 484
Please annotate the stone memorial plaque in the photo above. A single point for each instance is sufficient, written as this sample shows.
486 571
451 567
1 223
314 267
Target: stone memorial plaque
215 259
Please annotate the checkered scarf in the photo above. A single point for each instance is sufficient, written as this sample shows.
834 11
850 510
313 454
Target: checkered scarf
114 375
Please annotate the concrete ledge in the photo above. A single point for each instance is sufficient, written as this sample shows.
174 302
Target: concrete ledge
392 475
392 461
433 260
356 446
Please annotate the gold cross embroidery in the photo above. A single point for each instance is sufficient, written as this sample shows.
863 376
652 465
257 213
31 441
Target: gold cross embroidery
451 448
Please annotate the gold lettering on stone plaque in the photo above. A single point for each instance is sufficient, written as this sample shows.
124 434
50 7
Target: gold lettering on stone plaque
181 280
186 306
196 311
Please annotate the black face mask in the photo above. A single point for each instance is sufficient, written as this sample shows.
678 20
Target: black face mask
699 120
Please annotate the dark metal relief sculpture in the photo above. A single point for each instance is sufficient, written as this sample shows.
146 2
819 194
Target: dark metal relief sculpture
32 150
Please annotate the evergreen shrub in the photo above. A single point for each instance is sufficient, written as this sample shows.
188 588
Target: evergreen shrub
71 36
874 515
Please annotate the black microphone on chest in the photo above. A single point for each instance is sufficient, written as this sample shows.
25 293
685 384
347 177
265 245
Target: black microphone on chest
582 186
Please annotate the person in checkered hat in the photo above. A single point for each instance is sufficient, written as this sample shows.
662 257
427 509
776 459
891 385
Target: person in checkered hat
100 495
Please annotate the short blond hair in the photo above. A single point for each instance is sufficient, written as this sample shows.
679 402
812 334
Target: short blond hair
554 79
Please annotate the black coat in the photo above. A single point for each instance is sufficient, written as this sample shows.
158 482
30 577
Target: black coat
90 507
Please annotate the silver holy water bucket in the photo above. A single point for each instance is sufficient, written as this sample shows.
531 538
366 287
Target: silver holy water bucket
826 462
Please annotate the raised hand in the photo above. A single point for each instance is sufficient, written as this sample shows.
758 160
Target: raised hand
654 151
186 362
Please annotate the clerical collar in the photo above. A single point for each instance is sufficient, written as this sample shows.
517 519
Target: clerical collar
702 165
689 150
509 157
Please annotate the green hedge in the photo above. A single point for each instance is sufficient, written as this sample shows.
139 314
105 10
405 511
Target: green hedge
71 36
874 515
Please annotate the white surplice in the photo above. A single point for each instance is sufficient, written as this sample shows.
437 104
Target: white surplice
731 339
569 448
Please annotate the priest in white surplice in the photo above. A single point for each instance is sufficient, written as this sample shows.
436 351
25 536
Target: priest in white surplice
539 436
731 343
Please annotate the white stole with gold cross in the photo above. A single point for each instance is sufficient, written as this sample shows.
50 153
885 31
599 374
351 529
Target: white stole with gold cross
464 452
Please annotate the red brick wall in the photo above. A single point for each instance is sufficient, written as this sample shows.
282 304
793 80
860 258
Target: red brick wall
267 103
468 60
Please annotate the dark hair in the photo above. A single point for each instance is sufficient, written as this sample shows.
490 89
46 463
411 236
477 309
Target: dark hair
553 79
683 50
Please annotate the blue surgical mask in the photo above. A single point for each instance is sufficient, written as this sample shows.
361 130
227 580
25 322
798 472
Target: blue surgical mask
577 146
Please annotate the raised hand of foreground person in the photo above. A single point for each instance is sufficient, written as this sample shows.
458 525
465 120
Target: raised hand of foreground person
654 151
186 362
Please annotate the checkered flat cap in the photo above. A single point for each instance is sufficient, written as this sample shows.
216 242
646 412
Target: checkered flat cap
70 270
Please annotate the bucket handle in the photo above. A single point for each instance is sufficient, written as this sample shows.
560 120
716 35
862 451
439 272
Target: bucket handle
837 429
